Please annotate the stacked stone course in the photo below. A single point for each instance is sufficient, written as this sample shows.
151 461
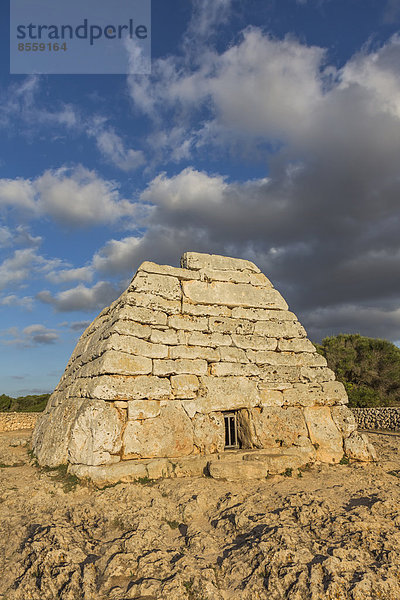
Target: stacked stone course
380 417
151 377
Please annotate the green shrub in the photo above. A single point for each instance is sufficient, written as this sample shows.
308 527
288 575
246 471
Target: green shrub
31 403
369 368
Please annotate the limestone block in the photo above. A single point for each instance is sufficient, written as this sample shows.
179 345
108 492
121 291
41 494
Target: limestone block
281 375
150 267
287 359
209 433
52 432
137 346
188 322
168 337
324 434
121 404
184 386
229 325
154 302
270 397
212 340
344 420
237 470
114 362
296 345
188 308
224 369
141 315
160 285
107 387
95 434
358 447
335 392
193 352
232 354
276 426
254 342
227 275
259 279
126 471
232 294
180 366
316 374
226 393
197 261
132 328
280 329
143 409
169 434
304 394
262 314
190 466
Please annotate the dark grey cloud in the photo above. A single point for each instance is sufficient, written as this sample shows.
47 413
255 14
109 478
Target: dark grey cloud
324 225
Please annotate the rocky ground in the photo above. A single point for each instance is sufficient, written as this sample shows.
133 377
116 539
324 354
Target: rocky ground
331 532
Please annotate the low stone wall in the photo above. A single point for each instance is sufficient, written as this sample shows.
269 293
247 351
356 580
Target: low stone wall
16 420
383 417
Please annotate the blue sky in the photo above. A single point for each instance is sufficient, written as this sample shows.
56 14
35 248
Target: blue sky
268 130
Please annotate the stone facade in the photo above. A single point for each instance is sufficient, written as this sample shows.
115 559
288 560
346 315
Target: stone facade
152 378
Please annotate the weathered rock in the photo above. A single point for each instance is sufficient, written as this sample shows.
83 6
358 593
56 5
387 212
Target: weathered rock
344 420
169 434
209 432
52 432
180 366
324 434
185 386
358 447
232 294
197 260
276 426
143 409
95 434
161 285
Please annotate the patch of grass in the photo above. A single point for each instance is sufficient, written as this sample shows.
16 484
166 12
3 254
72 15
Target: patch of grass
344 460
172 524
69 481
288 472
18 464
144 480
299 473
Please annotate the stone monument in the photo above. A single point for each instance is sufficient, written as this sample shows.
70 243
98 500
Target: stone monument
196 370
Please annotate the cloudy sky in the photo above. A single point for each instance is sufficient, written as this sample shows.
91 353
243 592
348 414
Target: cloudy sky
268 130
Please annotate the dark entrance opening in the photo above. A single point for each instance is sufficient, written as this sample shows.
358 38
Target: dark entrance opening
231 433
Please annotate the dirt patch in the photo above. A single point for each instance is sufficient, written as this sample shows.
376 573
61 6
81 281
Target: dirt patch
331 532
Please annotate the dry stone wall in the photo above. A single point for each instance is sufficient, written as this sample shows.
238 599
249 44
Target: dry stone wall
381 417
15 420
152 376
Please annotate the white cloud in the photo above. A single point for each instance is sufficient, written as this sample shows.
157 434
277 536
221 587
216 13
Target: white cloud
5 236
33 335
17 193
73 197
68 275
117 256
113 149
13 300
81 298
18 267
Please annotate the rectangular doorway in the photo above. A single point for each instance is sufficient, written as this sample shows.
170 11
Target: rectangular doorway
231 434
